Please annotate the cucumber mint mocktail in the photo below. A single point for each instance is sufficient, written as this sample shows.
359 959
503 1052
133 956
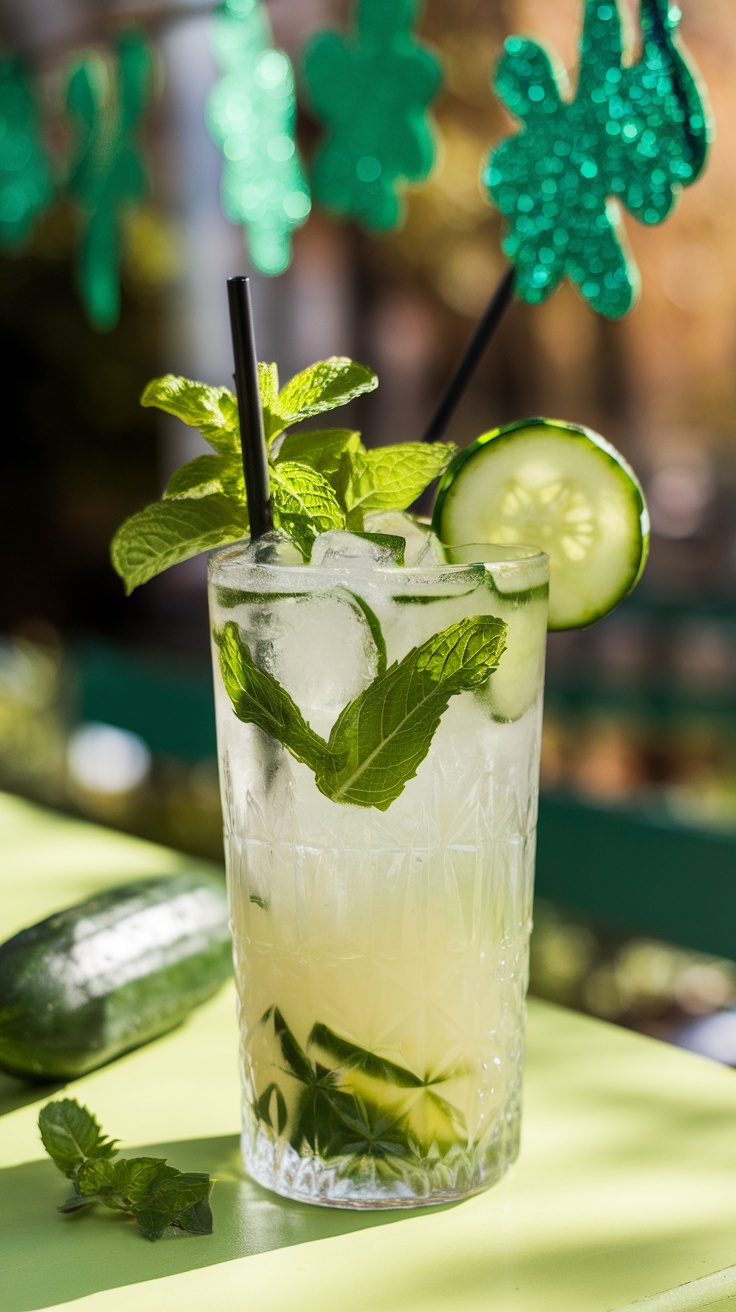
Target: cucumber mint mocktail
378 727
378 690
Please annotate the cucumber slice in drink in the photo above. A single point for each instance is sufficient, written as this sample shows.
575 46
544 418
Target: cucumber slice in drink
562 489
515 685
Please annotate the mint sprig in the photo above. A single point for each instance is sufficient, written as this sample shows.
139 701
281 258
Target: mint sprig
157 1195
380 738
320 480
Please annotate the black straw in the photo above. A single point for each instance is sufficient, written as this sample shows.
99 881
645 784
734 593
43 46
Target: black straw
497 307
252 437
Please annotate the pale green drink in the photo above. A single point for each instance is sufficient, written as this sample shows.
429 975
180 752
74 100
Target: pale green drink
381 954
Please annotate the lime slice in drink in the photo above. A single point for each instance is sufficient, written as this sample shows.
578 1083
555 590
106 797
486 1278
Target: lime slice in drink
562 489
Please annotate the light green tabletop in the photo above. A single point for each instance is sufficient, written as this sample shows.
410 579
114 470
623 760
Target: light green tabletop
624 1195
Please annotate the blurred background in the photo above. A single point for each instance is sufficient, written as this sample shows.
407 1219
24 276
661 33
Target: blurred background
106 703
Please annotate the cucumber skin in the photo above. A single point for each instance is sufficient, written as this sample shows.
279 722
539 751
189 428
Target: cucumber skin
107 975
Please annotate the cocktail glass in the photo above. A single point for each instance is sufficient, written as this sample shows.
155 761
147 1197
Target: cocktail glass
381 956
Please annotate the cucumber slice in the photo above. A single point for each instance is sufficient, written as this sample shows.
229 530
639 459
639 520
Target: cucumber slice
562 489
517 682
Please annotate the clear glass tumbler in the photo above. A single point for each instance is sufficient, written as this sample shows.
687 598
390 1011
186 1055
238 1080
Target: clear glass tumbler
381 956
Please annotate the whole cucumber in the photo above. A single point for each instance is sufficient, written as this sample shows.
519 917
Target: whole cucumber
106 975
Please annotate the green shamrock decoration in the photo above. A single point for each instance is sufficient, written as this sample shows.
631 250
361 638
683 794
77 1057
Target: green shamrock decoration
107 99
26 187
372 89
251 114
634 133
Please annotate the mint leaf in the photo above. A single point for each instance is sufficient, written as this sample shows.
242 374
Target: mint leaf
168 532
389 477
324 386
157 1194
72 1136
380 739
257 698
321 450
196 1219
268 384
213 410
353 1058
271 1108
180 1200
117 1183
304 504
206 475
374 628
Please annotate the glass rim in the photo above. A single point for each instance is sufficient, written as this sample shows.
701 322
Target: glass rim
518 555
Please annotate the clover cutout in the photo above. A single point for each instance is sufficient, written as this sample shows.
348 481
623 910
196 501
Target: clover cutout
107 99
634 134
372 90
251 114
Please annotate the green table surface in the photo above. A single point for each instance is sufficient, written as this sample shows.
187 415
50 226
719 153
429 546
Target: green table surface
624 1195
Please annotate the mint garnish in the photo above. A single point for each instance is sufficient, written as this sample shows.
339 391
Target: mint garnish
320 480
323 450
257 698
204 476
155 1193
388 477
304 504
381 738
169 532
213 410
323 386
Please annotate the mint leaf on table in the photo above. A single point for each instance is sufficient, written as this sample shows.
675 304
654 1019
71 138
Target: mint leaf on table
388 477
382 736
304 504
157 1195
72 1136
257 698
168 532
213 410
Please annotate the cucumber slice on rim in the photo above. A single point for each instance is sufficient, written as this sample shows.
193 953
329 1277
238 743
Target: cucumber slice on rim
562 489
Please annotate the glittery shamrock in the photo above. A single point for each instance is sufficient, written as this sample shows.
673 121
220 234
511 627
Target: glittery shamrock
372 90
251 114
107 98
25 177
634 132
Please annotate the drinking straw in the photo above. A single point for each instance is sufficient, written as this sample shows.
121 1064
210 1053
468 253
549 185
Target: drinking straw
252 437
492 316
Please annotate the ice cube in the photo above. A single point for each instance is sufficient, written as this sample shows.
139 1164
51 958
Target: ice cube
423 547
430 552
338 549
273 548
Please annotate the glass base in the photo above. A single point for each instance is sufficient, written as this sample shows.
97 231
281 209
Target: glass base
376 1183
